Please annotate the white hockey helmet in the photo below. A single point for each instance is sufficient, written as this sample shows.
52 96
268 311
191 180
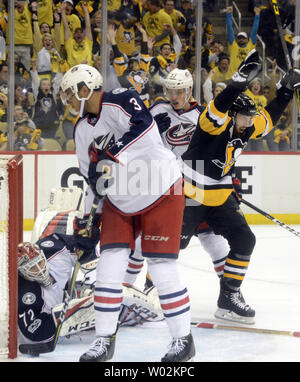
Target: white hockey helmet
32 264
179 79
78 76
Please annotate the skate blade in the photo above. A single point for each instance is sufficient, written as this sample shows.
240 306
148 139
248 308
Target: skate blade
228 315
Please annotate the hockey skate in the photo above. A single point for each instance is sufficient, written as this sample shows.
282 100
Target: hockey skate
181 350
102 349
232 307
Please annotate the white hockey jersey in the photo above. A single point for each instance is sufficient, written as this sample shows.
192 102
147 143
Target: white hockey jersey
126 130
182 127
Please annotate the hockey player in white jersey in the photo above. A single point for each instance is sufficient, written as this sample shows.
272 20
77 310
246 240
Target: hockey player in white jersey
122 156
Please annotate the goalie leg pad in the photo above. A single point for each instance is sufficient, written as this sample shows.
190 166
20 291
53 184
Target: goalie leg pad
80 316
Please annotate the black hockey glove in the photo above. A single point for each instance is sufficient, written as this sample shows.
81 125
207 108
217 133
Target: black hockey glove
100 169
163 122
288 84
85 242
247 71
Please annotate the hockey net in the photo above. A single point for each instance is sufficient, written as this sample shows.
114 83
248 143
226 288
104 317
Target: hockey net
11 233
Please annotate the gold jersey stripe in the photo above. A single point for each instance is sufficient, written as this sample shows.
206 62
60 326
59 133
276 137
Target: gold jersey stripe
207 197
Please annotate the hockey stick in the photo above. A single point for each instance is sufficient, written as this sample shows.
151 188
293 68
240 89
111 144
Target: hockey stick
284 46
48 347
266 215
281 35
208 325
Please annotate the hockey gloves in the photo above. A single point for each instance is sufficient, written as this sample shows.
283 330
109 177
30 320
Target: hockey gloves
288 84
163 122
247 71
85 242
100 170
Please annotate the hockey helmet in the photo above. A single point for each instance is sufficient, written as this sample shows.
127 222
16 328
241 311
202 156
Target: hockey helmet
32 264
243 105
78 76
179 79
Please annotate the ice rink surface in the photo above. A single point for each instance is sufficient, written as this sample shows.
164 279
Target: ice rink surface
271 287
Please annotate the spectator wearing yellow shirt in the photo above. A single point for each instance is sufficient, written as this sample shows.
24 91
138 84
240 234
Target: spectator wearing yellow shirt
177 17
23 35
239 47
41 27
222 72
154 23
79 46
72 19
45 11
255 93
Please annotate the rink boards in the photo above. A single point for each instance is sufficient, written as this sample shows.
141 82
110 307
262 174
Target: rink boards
269 181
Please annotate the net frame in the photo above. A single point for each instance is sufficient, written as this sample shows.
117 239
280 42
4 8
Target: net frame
12 233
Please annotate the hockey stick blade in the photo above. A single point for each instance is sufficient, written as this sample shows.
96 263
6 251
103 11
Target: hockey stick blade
208 325
37 349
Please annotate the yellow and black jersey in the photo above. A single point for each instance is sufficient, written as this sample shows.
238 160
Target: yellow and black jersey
137 79
125 39
213 151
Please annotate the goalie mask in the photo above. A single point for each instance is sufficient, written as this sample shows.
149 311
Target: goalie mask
179 81
75 78
32 264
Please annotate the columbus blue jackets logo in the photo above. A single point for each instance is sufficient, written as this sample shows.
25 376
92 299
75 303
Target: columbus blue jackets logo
233 151
29 298
181 134
103 142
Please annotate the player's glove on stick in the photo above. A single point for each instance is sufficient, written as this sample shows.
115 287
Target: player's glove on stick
100 170
237 188
85 242
163 122
247 71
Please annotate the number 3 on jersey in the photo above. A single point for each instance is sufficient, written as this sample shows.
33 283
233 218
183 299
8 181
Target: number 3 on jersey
136 106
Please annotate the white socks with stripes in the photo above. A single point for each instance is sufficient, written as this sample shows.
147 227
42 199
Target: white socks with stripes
111 269
174 298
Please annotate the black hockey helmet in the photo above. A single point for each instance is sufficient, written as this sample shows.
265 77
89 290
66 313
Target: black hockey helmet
243 105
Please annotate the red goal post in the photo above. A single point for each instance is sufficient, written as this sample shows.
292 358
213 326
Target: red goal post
11 234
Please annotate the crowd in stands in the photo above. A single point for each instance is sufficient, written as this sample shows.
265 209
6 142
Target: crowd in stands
146 39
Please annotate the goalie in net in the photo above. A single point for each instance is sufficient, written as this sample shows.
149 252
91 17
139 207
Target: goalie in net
44 269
